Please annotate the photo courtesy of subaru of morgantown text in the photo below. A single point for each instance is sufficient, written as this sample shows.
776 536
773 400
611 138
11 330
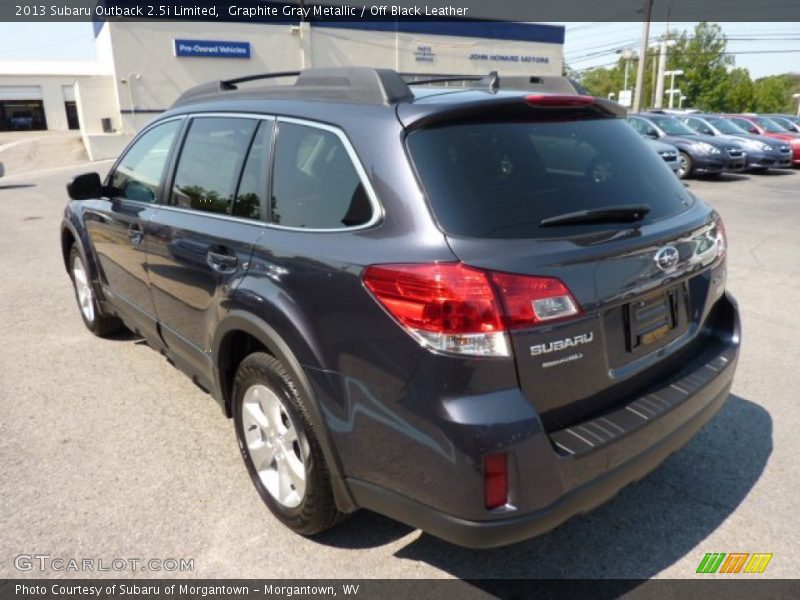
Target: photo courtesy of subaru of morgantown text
479 305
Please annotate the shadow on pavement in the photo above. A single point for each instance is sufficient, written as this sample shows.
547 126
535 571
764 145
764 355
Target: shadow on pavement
725 178
649 526
778 172
16 186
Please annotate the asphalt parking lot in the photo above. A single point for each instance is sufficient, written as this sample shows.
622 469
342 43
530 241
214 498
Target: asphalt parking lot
107 451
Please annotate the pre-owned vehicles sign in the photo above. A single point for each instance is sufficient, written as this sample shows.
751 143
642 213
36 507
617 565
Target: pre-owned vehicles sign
212 48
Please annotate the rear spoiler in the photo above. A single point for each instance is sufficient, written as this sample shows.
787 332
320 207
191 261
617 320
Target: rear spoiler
506 107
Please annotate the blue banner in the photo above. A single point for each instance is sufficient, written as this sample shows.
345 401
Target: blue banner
212 49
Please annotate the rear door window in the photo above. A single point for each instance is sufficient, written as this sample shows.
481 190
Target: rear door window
210 163
500 180
314 183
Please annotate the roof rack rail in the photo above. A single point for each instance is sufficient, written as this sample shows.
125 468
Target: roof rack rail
352 84
232 84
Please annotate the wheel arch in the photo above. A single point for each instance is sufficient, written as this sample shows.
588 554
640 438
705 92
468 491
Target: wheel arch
240 325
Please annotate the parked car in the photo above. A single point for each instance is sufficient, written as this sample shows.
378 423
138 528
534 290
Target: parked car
477 313
698 155
762 152
788 122
766 127
667 152
22 120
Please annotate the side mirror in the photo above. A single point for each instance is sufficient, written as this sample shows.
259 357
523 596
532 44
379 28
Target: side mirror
85 186
753 130
652 135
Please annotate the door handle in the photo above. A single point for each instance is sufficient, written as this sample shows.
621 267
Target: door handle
135 234
222 260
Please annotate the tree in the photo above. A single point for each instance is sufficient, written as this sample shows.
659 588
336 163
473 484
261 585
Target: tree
602 81
740 92
704 63
773 94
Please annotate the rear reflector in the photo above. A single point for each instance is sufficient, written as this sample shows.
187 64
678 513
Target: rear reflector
455 308
565 100
495 480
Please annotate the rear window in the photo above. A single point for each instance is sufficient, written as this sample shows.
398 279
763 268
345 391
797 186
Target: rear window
769 125
499 180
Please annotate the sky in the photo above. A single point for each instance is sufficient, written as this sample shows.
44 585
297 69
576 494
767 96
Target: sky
763 48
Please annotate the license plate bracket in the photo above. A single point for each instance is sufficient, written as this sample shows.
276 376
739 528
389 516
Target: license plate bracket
651 318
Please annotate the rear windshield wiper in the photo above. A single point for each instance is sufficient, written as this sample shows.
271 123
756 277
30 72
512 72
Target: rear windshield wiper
621 213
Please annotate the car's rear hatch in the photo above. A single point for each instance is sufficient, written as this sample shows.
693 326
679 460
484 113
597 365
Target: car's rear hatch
644 286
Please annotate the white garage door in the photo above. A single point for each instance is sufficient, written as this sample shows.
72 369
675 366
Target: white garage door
20 92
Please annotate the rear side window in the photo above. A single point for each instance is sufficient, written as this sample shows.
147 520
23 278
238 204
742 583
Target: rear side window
500 180
210 163
251 197
643 127
314 182
138 175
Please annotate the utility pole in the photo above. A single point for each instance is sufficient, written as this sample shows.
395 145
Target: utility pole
637 95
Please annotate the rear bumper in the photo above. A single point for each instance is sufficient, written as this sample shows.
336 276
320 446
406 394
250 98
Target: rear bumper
592 461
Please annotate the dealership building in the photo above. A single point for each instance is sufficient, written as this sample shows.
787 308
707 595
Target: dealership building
143 66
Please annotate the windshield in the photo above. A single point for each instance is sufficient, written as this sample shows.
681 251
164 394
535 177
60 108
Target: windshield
672 126
728 127
500 180
769 125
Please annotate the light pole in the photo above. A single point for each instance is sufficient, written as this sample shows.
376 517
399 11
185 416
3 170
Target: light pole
672 83
672 93
797 97
662 65
680 101
627 55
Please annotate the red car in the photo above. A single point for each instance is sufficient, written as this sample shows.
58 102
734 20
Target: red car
765 126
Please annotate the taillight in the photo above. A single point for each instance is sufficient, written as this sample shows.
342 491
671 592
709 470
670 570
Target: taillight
447 306
455 308
566 100
721 238
495 480
531 300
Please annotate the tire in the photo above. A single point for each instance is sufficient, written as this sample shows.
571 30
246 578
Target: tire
96 321
277 440
685 170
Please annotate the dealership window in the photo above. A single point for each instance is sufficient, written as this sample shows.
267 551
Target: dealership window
138 175
315 184
211 162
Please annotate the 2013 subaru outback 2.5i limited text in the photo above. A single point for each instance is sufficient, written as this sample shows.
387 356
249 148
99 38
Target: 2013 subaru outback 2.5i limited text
477 310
